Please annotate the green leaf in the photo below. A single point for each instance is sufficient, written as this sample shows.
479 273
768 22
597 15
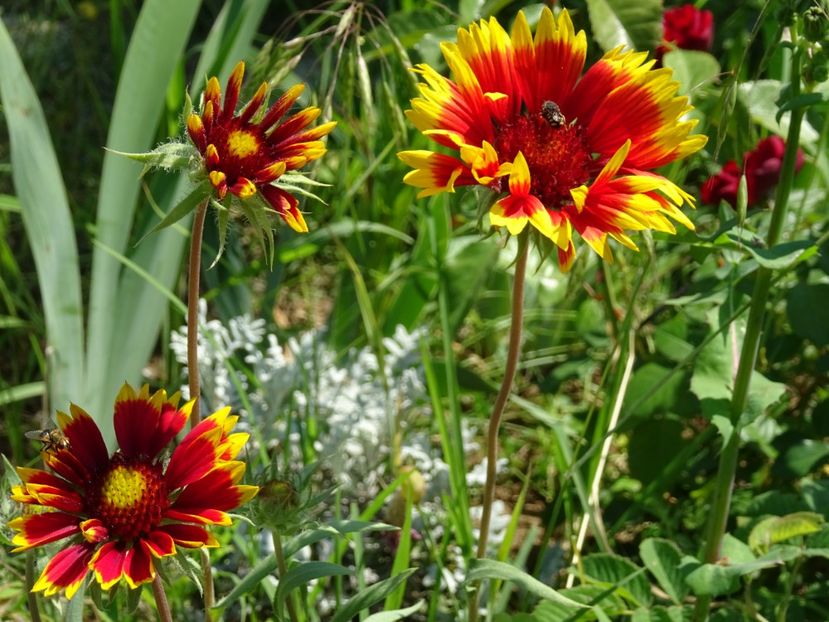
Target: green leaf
717 579
776 529
173 156
48 224
182 208
692 69
249 582
759 97
637 25
662 614
158 41
469 262
619 571
596 602
301 574
653 445
662 558
371 595
803 304
783 256
649 392
22 392
480 569
9 203
336 529
397 614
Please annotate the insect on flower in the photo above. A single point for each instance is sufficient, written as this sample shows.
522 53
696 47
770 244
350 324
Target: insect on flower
52 439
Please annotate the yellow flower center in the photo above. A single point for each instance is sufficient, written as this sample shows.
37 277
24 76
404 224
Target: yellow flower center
123 487
241 143
131 498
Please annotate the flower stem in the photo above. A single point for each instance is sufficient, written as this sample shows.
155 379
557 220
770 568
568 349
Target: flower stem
721 504
513 350
161 603
283 568
194 271
193 375
31 596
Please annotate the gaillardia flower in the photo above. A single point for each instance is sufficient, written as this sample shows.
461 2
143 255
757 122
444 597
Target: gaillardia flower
125 511
247 153
564 150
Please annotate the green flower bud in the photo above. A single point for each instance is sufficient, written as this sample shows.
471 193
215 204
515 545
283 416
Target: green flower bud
815 24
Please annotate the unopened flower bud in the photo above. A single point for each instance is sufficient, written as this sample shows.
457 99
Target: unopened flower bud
815 24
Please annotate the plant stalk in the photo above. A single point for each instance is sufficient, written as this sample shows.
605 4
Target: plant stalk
283 569
193 373
513 350
161 604
727 468
31 597
193 278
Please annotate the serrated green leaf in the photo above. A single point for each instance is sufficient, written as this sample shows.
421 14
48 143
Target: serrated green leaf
776 529
480 569
636 25
662 558
619 571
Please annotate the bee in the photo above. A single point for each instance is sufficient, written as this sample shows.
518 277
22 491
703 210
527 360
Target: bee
52 439
552 114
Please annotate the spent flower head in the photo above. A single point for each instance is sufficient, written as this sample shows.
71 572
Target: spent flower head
558 149
124 512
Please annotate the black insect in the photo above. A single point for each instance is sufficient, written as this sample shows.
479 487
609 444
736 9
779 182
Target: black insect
552 114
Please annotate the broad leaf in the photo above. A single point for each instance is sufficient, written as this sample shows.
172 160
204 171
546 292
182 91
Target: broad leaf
636 25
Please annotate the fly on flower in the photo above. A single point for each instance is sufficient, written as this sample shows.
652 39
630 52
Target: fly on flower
561 150
123 512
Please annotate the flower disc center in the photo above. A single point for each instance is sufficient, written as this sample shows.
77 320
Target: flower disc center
131 498
242 143
556 154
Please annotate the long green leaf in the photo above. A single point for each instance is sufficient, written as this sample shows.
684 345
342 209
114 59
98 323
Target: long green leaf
397 614
48 223
22 392
371 595
301 574
480 569
160 34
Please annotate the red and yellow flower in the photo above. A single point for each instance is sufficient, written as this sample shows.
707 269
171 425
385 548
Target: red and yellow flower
567 151
125 511
247 153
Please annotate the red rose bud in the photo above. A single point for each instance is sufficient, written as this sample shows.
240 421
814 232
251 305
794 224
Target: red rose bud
688 28
722 186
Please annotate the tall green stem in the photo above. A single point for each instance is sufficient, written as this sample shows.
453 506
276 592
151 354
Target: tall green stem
161 603
282 568
193 375
193 280
513 350
721 504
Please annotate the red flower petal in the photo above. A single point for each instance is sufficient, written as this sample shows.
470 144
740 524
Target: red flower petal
234 85
108 564
281 106
66 570
190 536
138 565
85 439
160 543
38 529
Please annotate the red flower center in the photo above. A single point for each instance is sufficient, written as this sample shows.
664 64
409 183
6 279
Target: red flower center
130 498
241 150
556 154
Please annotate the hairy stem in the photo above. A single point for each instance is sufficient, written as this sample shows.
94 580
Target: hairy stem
161 603
513 350
727 468
194 271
